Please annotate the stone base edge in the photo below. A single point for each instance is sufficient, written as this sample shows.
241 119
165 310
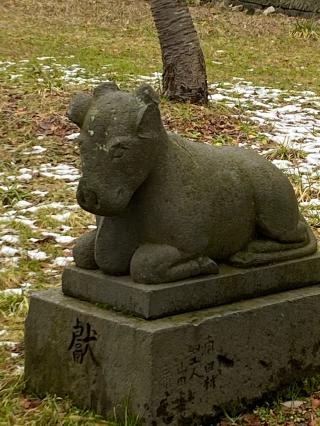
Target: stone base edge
174 370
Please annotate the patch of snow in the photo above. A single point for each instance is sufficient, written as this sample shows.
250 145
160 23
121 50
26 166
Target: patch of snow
18 370
61 217
63 261
295 124
73 136
53 205
11 292
312 202
24 177
22 204
25 221
36 149
73 207
60 239
15 76
64 239
8 251
10 239
61 172
154 77
282 164
45 58
25 170
217 97
37 255
39 193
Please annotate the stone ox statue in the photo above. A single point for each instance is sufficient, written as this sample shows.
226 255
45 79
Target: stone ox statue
168 208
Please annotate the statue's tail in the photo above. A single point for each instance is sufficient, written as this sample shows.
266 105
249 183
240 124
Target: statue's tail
261 252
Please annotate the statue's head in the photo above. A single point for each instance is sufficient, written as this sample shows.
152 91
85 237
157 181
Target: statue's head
119 141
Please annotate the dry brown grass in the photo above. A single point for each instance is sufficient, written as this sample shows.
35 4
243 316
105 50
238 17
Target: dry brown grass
210 19
80 12
213 19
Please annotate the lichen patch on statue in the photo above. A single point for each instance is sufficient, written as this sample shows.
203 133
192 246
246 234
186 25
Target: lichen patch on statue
168 208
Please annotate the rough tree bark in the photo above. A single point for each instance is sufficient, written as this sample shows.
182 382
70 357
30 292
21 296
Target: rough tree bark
184 70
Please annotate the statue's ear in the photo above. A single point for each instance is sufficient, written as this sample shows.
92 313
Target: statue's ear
147 95
148 121
103 88
79 107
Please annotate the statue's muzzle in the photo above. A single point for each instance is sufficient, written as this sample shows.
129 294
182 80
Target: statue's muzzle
87 197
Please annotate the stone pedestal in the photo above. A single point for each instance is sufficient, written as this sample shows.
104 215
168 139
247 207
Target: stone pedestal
160 300
175 370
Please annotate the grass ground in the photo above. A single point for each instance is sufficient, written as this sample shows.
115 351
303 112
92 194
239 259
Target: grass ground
116 39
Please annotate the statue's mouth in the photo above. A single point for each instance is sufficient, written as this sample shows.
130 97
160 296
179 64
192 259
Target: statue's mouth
88 199
104 204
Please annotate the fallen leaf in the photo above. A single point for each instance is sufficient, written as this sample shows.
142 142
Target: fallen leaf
47 239
315 403
292 404
312 421
252 419
30 404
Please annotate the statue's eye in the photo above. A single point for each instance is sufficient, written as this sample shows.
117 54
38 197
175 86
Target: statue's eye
118 150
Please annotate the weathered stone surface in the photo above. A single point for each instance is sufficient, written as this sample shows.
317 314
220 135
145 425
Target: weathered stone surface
153 301
168 208
175 370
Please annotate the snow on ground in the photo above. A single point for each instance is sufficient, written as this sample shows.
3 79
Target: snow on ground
287 119
46 69
25 212
293 119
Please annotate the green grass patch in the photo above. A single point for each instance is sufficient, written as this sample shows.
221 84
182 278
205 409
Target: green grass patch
307 28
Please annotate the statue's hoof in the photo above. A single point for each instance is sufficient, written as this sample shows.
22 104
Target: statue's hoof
207 265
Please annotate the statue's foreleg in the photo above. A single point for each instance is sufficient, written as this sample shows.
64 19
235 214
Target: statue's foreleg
156 263
115 244
83 251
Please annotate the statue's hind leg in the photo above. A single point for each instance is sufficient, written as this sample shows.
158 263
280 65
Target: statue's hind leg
263 251
283 228
281 233
155 263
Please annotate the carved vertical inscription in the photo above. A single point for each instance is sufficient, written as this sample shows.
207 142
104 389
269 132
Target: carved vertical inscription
196 367
200 362
82 336
192 374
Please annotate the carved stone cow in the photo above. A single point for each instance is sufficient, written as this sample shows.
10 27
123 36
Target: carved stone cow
168 208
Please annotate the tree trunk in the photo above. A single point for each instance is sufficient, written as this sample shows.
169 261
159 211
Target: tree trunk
184 71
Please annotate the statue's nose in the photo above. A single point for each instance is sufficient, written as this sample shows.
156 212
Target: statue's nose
87 198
